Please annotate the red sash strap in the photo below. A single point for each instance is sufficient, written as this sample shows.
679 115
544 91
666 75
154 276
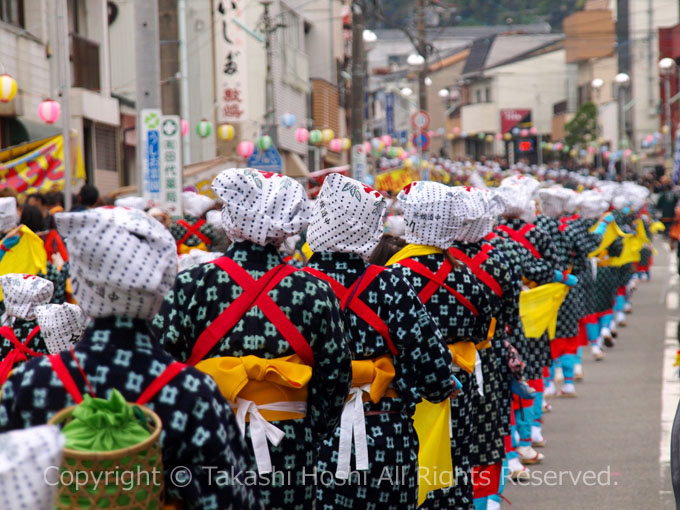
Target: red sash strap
349 297
475 263
436 280
255 293
520 237
65 377
54 244
18 353
170 372
193 230
563 222
490 236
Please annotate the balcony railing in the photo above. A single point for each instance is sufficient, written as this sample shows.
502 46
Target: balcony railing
85 62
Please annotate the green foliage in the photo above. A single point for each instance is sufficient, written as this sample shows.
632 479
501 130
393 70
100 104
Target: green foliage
583 127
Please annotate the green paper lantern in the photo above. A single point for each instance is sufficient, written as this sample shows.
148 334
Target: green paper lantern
264 142
204 128
315 136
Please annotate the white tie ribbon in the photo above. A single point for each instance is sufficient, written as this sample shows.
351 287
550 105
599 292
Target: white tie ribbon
478 374
261 431
353 423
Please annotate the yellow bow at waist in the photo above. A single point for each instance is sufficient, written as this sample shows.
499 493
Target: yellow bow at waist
260 380
184 249
464 354
378 372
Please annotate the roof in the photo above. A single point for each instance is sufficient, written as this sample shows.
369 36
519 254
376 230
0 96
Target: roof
479 52
460 32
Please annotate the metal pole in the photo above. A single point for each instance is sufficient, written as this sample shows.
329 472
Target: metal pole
269 123
64 66
667 107
422 50
184 71
358 73
622 126
147 69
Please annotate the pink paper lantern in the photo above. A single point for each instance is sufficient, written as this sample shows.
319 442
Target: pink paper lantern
456 130
430 133
185 126
606 154
558 146
403 155
533 131
335 145
367 147
386 140
302 135
49 111
627 153
246 149
524 132
499 136
591 150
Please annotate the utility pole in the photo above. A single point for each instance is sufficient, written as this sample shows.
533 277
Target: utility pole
423 51
64 72
147 69
270 104
184 71
358 72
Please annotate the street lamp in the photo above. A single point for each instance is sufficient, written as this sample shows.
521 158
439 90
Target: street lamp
666 67
406 91
444 93
415 60
370 39
597 85
622 81
428 81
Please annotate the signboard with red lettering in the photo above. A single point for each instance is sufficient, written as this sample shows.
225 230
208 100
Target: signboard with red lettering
231 74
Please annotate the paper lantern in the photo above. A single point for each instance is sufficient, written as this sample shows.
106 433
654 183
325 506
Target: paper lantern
288 120
450 136
606 154
392 152
408 163
376 143
549 146
515 131
481 135
335 145
49 111
664 129
8 88
315 136
386 140
225 132
507 137
627 153
489 138
403 155
346 144
463 134
327 135
367 147
573 153
246 149
524 132
456 130
634 158
204 128
264 142
533 131
566 149
185 126
440 132
558 146
302 135
499 136
591 150
430 133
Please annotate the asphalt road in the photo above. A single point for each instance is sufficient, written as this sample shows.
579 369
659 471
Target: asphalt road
606 444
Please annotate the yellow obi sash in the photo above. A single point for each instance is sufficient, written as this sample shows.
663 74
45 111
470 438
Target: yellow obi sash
262 381
379 373
184 249
538 308
413 250
463 354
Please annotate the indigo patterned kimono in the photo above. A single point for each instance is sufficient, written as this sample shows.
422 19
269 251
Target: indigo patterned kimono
199 429
457 323
423 370
203 292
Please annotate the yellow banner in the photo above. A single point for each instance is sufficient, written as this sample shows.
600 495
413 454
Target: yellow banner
40 168
395 180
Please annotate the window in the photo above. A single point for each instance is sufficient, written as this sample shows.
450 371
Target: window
12 12
105 147
292 30
487 94
478 95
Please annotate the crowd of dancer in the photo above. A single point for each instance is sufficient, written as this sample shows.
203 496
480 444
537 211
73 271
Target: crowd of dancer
352 351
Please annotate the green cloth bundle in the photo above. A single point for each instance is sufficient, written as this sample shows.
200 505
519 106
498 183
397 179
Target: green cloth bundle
101 425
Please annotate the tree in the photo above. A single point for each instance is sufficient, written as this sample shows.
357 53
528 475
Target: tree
583 127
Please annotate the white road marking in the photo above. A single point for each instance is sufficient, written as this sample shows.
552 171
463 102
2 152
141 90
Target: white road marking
670 385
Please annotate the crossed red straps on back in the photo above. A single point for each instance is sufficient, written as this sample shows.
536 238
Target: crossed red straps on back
193 230
475 263
563 222
436 280
349 297
255 293
18 353
520 237
170 372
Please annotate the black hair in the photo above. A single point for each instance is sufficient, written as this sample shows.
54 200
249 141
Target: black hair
32 218
88 195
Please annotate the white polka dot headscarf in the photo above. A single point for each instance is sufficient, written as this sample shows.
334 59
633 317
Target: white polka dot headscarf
61 326
347 217
553 201
262 207
123 261
592 204
195 204
23 292
518 190
480 209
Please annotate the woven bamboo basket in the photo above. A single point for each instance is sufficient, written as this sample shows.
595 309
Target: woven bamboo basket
132 484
